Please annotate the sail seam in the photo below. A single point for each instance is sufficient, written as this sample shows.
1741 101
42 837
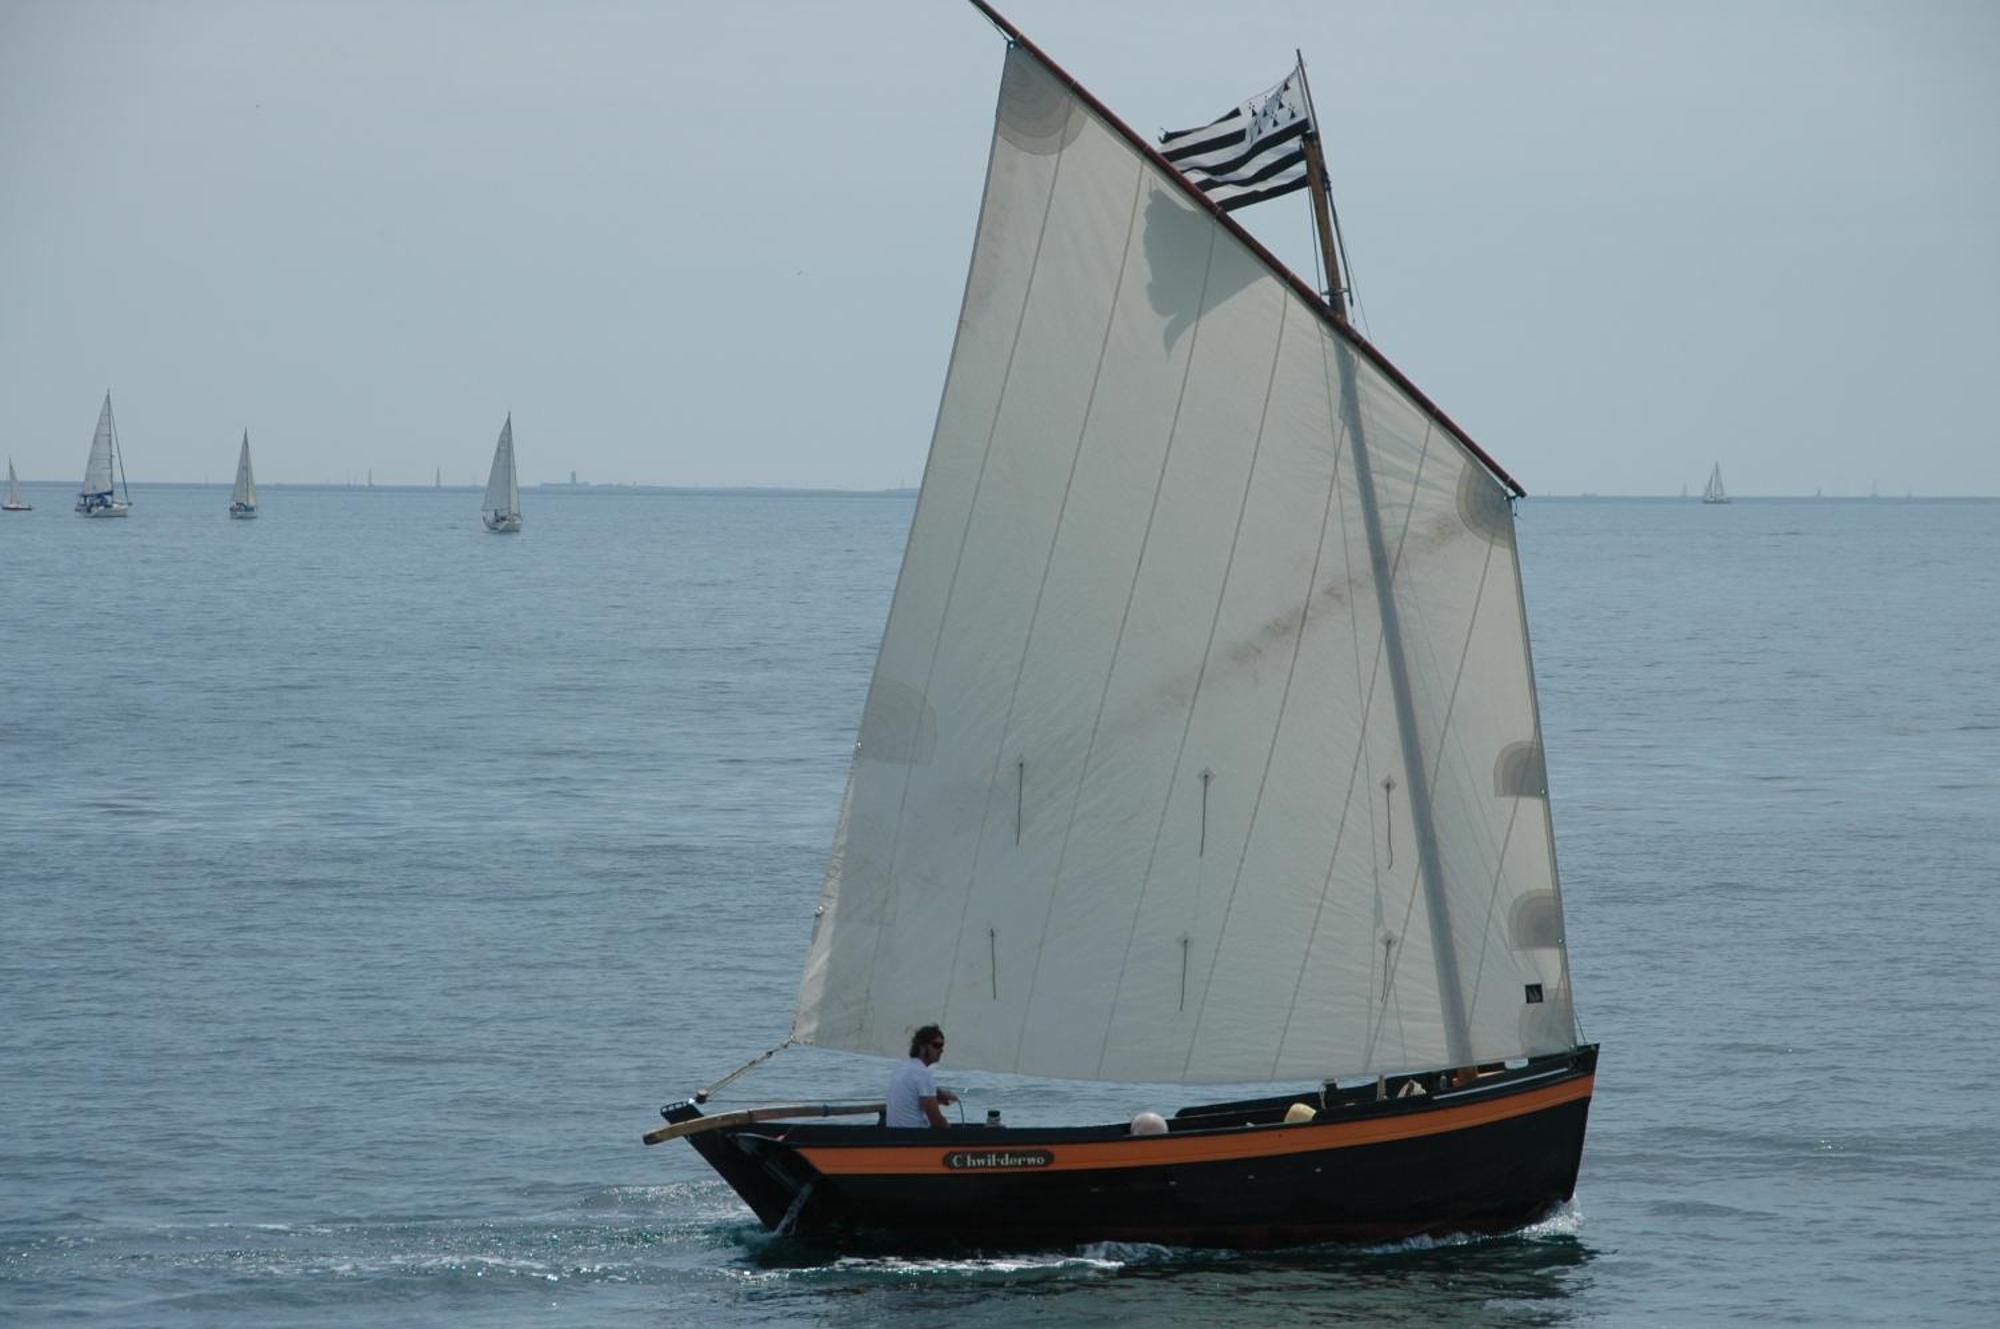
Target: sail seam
1334 505
1284 695
1378 1012
1437 762
1427 847
1415 762
1492 898
1124 619
1445 746
964 534
1034 615
1201 675
1194 702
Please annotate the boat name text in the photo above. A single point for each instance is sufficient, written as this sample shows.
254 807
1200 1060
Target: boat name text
963 1160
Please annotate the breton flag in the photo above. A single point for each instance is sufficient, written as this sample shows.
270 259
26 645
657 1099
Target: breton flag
1255 152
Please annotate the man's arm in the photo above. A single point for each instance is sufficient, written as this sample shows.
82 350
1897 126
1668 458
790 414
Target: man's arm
932 1110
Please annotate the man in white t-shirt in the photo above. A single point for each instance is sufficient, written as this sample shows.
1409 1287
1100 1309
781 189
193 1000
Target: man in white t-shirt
914 1095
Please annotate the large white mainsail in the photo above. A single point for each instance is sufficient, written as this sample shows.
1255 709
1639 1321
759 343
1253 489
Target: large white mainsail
243 499
1144 791
503 491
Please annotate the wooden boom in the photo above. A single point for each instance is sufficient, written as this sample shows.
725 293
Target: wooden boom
747 1116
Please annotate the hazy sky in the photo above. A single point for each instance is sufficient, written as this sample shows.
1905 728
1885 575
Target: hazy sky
725 243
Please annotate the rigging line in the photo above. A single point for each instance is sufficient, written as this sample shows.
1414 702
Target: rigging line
972 503
702 1095
1048 561
1353 290
1124 620
1228 574
1320 280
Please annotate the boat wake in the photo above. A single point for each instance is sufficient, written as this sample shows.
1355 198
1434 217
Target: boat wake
776 1257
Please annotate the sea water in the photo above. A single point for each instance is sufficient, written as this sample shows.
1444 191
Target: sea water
367 881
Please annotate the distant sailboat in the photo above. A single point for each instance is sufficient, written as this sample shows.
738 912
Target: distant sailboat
14 502
437 480
1715 492
98 497
503 492
243 502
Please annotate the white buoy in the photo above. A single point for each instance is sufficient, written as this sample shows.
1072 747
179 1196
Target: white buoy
1149 1123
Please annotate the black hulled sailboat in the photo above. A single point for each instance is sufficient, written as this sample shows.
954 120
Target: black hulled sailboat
1202 747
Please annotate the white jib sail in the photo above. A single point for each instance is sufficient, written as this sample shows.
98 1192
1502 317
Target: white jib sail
13 485
1131 799
245 492
503 492
97 477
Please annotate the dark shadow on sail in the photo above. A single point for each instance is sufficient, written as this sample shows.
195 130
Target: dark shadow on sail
1178 238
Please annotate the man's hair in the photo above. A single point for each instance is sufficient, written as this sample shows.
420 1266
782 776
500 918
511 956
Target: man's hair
927 1034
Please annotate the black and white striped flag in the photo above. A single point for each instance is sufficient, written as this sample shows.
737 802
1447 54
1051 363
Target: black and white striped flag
1255 152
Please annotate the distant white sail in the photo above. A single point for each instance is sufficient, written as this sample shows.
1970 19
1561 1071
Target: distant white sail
244 497
1203 742
103 473
1715 493
13 487
98 478
503 491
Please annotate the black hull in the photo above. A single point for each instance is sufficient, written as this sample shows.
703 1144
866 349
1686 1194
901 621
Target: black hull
1486 1158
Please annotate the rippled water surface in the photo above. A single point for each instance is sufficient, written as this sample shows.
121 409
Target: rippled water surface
368 882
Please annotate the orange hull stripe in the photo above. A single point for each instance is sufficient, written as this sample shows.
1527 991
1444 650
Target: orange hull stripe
1164 1150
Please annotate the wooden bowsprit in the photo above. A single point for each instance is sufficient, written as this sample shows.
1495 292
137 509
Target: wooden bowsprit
750 1116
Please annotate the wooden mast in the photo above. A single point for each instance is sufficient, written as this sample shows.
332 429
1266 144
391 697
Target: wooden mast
1336 287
